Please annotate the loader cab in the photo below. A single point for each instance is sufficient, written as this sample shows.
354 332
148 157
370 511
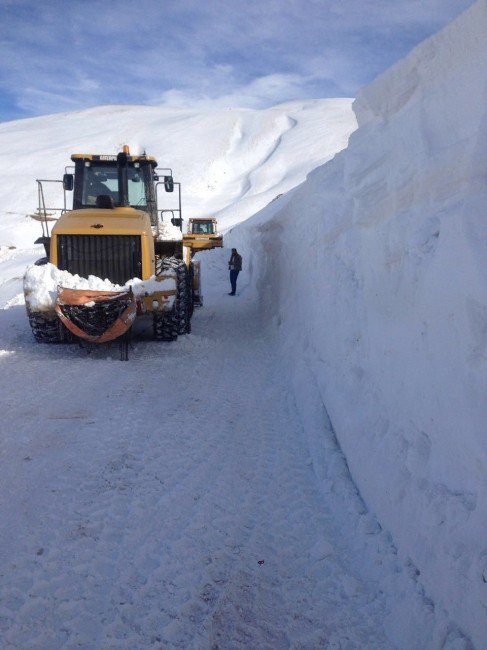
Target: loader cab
97 183
202 235
202 227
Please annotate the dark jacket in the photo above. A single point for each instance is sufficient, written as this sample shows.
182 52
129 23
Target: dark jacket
235 262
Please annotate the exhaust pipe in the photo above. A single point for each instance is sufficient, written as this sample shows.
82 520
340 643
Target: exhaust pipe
122 166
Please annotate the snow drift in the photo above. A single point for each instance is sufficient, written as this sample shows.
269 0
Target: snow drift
374 273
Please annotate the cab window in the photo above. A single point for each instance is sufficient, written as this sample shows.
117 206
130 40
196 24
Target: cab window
202 227
97 180
137 195
103 179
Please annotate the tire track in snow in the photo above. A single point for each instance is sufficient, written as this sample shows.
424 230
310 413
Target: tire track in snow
159 490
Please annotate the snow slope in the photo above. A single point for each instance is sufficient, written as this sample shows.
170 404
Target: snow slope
231 162
374 274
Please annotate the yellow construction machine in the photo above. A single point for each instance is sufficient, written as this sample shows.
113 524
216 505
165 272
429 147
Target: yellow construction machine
118 232
202 235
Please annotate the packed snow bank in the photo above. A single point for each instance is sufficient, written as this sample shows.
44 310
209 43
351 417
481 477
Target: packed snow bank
374 273
167 232
41 285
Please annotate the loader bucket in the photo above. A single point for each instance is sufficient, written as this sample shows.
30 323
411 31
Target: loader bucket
96 316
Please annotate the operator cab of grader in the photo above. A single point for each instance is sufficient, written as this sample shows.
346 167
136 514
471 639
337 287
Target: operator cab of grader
117 232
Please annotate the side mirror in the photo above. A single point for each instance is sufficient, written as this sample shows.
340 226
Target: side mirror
169 183
68 182
177 222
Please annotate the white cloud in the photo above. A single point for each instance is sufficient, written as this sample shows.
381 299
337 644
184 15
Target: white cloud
58 55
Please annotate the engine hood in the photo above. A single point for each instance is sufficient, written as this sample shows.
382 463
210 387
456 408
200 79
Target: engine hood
120 221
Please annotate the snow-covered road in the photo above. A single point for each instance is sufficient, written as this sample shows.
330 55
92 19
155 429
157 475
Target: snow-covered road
201 495
169 501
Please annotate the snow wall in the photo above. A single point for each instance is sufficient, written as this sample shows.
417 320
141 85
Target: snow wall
374 274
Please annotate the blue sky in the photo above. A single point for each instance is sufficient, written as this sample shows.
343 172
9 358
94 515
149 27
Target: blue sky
64 55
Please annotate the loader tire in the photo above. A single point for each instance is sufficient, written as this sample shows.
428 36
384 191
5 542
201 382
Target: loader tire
164 327
182 304
191 290
48 330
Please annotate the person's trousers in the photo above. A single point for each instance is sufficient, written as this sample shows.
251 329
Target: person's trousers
233 279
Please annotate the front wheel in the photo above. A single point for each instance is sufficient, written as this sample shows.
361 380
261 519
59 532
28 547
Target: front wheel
164 327
48 330
183 301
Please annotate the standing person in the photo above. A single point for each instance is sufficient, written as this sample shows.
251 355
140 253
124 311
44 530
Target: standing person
235 266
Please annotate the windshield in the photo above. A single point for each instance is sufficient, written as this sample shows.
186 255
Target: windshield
103 179
203 227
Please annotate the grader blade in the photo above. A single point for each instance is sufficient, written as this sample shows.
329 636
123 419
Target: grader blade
96 316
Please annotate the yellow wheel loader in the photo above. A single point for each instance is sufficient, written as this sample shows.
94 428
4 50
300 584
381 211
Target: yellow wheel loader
115 234
202 235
